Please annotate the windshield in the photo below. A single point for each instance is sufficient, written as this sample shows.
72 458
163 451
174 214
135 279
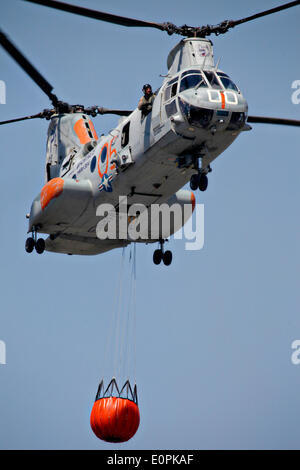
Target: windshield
227 83
212 80
191 81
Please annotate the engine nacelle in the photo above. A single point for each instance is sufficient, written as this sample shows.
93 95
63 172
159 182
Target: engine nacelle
59 204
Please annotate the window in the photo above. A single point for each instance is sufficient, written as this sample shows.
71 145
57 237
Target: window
227 83
200 116
93 164
103 154
190 72
212 80
125 135
191 81
196 116
171 108
237 121
171 89
222 113
88 130
214 96
231 97
174 89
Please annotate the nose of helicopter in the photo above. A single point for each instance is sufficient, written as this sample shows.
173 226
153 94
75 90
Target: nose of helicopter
209 107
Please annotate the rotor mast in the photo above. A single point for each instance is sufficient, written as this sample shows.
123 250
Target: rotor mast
191 52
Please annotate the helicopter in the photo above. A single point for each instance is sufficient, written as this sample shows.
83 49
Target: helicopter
197 113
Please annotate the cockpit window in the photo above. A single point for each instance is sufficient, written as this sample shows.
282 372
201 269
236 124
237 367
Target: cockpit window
191 81
212 80
227 83
171 89
190 72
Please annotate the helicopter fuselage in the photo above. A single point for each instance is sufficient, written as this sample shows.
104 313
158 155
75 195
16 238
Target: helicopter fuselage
197 113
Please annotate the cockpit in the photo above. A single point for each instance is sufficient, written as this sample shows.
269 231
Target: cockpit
206 79
221 92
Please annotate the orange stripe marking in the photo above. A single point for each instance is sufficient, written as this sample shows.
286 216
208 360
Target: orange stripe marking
51 190
81 131
193 201
223 99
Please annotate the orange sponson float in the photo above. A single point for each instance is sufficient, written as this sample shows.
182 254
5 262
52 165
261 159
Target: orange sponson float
115 418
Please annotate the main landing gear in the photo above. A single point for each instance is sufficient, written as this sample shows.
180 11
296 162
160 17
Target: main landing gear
199 180
161 255
32 243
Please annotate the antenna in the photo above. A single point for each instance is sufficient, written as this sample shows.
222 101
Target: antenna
204 62
217 65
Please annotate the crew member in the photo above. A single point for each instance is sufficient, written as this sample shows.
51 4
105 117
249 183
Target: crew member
146 101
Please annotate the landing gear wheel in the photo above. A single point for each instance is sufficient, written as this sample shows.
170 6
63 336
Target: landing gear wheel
203 182
167 258
194 182
40 246
157 256
29 245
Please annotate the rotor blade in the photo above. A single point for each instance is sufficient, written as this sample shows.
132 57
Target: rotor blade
224 27
272 120
40 115
119 112
265 13
170 28
27 67
97 15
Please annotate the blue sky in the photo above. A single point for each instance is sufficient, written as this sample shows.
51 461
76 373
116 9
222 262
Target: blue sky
214 330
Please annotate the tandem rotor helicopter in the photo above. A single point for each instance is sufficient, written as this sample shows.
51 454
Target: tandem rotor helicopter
195 115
